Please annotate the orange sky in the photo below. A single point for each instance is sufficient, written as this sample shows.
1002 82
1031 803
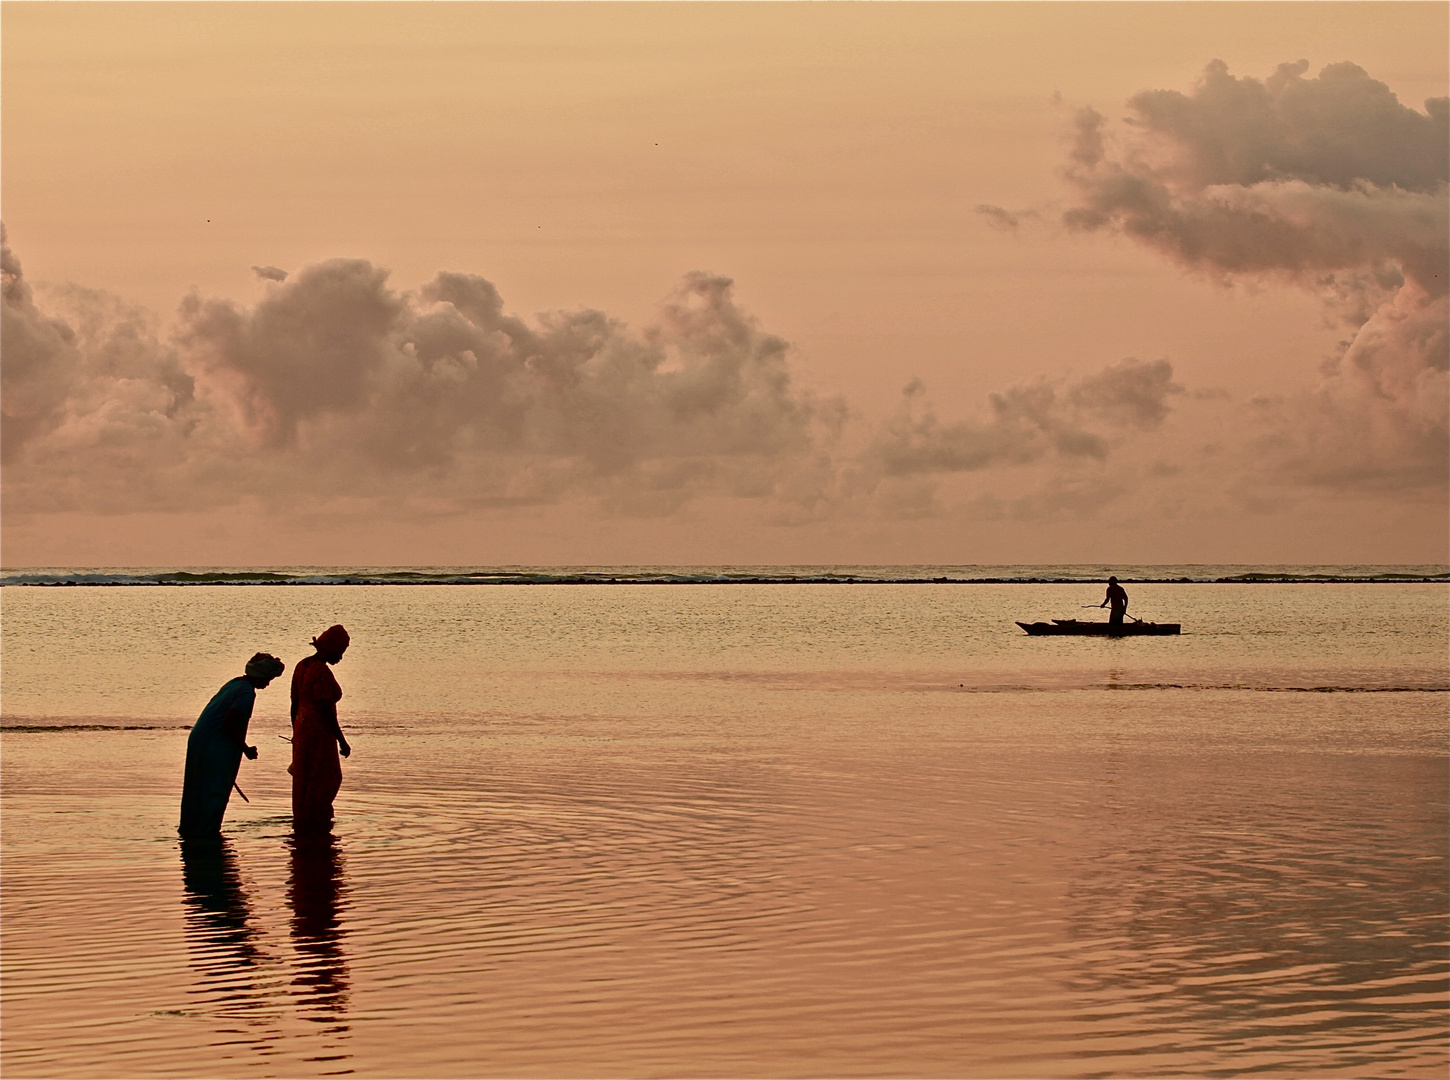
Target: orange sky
830 159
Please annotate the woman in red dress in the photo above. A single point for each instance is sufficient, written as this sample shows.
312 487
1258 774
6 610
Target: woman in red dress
316 736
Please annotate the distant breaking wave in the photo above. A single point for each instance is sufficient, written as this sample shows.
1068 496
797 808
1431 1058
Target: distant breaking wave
725 575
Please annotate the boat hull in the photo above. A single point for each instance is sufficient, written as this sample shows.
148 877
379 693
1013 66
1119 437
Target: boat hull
1073 628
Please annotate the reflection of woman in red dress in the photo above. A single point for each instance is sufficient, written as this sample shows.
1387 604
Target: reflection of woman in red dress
316 736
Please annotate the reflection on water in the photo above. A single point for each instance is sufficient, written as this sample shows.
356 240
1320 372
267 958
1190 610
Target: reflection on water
217 910
243 986
316 893
225 947
223 942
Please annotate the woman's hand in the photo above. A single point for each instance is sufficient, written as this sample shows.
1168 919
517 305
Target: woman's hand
344 748
251 752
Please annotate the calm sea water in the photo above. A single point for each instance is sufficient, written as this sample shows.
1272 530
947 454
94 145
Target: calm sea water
755 830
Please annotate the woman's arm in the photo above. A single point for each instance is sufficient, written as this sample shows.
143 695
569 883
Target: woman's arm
234 725
342 746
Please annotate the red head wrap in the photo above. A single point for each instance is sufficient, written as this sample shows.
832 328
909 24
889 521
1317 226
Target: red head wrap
332 641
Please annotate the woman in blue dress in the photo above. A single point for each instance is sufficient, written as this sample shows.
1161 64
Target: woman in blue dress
218 741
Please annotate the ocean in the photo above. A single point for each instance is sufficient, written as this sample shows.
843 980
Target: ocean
751 821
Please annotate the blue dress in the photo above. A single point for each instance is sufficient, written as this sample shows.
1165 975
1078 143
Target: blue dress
213 755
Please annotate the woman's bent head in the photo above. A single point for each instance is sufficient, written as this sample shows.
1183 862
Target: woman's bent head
331 644
263 668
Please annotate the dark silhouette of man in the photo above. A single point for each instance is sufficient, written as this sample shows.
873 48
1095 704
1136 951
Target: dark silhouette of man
1119 599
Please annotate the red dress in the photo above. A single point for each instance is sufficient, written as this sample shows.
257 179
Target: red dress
316 770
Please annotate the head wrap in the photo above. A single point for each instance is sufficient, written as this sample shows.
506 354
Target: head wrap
332 641
265 666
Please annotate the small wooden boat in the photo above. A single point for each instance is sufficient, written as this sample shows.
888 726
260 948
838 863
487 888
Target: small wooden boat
1099 629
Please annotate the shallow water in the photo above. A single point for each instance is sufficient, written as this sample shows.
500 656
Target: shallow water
780 830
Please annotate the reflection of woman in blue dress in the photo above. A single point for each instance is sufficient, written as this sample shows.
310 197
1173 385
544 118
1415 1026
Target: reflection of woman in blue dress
216 906
218 741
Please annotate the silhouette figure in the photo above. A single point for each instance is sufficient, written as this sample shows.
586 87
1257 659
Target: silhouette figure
215 747
316 736
315 892
1119 599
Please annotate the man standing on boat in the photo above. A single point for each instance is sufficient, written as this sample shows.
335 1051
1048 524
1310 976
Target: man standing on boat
1119 599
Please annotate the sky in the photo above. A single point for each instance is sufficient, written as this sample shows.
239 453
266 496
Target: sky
689 283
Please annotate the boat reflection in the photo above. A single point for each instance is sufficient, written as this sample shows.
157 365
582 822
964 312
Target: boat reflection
316 893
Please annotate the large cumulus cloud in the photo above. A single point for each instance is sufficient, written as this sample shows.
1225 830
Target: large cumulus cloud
1329 183
336 383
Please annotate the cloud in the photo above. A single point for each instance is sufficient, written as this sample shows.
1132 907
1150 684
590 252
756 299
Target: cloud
335 356
336 393
1329 183
270 273
1130 394
1341 129
335 384
1001 218
96 407
311 348
1379 419
338 397
1029 422
40 361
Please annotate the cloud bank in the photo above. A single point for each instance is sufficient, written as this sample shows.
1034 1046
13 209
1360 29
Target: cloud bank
1328 183
335 383
336 387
